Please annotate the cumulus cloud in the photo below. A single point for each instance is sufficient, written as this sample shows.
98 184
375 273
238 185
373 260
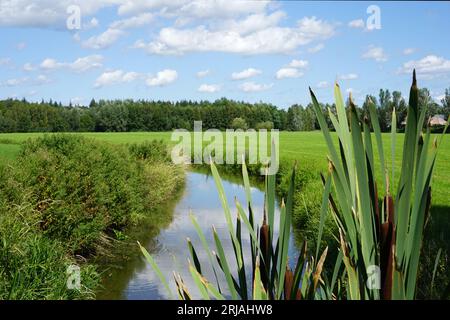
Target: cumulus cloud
288 73
162 78
133 22
316 48
245 74
80 65
298 64
253 22
254 87
322 84
44 13
42 79
29 67
14 82
209 88
35 81
203 73
429 66
273 39
349 76
104 39
115 77
375 53
93 23
196 8
358 23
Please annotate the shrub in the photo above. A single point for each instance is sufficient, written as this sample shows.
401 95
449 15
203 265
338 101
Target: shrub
239 123
155 150
268 125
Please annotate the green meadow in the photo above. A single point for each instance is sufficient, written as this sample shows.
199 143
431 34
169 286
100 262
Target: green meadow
307 148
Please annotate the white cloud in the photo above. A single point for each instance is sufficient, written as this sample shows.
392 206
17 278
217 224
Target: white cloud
133 22
49 64
358 23
15 82
42 79
439 98
37 81
288 73
87 63
194 9
245 74
322 84
253 23
209 88
254 87
93 23
298 64
44 13
316 48
29 67
349 76
203 73
409 51
104 39
80 65
162 78
375 53
115 77
274 39
116 30
429 66
77 101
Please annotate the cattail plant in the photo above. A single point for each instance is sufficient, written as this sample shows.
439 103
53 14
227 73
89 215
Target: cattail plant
380 233
269 275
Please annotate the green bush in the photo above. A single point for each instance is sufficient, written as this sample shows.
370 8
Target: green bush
67 196
268 125
155 150
239 123
80 188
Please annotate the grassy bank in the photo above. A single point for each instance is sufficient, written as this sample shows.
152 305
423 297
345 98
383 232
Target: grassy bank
64 199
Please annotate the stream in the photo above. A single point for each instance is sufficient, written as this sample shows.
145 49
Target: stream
135 279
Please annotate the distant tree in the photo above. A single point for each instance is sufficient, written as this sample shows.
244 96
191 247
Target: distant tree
446 103
239 123
268 125
294 118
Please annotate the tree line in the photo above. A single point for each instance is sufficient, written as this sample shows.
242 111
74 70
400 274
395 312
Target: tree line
142 115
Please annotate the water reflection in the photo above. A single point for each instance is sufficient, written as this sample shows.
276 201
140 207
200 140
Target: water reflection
136 279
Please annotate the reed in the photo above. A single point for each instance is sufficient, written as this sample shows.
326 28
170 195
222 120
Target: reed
380 233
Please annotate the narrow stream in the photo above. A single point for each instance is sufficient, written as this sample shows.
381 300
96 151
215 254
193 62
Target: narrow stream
135 279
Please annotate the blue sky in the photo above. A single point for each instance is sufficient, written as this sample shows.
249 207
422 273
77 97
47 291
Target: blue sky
204 50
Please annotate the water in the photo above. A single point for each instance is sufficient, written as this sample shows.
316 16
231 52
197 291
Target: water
136 280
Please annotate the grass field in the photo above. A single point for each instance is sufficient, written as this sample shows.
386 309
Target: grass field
305 147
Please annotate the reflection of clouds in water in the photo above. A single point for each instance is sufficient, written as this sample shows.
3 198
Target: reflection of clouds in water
172 251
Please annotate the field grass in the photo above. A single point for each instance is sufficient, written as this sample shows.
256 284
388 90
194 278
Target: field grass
308 148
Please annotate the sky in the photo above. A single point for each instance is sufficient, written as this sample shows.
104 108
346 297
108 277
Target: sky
270 51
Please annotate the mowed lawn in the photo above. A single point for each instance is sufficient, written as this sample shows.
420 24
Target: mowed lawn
307 148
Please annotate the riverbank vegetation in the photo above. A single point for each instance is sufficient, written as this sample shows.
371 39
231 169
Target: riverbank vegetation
63 199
